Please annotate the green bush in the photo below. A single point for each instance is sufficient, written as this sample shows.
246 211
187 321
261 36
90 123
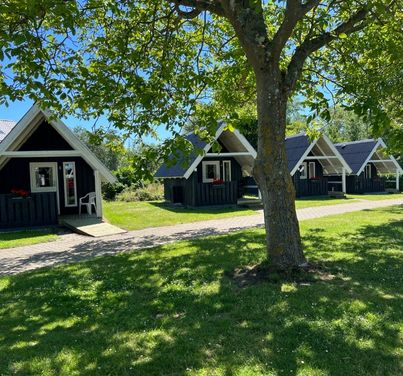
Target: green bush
110 190
151 192
391 181
128 177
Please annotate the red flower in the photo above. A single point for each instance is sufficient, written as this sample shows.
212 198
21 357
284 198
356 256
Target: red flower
217 181
20 192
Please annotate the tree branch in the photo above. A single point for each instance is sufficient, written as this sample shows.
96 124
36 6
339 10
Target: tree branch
197 6
294 12
309 46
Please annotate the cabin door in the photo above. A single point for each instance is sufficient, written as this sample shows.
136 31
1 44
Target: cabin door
44 178
177 195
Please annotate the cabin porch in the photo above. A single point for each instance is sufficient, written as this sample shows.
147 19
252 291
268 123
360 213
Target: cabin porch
28 209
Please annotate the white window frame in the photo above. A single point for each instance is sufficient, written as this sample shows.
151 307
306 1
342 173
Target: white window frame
204 170
312 167
368 171
75 185
304 172
228 163
34 188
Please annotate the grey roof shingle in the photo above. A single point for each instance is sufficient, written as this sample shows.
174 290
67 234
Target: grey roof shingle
356 153
5 128
295 147
182 162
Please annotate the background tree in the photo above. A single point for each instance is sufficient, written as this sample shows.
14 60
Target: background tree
345 126
147 63
106 145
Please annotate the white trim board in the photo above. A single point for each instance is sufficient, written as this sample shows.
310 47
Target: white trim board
332 148
337 153
19 133
75 185
241 138
42 154
379 143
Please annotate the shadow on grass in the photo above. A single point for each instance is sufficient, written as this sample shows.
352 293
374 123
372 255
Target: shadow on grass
172 310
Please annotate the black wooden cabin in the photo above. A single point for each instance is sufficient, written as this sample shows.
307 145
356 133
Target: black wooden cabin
210 178
312 163
369 165
44 171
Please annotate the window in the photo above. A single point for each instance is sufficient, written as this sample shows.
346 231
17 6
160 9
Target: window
70 186
367 172
226 170
211 171
303 171
312 170
43 176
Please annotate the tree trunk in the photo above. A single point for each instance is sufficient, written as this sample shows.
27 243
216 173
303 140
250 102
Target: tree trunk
271 171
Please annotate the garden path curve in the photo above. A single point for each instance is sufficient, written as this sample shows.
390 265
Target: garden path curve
73 247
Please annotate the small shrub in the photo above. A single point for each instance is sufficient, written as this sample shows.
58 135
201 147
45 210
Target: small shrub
111 190
151 192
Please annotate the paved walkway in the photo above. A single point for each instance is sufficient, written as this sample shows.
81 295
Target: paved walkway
74 247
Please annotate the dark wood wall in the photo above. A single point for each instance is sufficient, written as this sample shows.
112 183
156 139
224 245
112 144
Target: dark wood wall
310 187
359 184
45 137
16 175
37 210
197 193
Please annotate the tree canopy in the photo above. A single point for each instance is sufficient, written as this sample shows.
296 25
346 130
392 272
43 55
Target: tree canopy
147 63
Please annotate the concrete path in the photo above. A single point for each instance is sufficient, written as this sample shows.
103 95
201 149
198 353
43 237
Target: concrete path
74 247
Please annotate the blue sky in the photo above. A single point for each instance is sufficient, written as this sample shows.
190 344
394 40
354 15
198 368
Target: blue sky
16 110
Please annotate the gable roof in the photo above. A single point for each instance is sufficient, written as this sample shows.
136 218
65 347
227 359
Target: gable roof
296 147
358 153
24 128
5 128
184 166
299 146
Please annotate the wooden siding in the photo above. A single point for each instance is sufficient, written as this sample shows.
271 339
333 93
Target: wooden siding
311 187
16 174
45 137
224 194
197 193
37 210
359 184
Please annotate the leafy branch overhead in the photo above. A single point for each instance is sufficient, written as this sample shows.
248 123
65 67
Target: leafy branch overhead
148 63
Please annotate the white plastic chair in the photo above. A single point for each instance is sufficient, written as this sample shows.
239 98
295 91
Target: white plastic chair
89 201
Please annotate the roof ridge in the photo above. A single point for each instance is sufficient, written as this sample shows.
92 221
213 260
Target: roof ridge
356 142
296 135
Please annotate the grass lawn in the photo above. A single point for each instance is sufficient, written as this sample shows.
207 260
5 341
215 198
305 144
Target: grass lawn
376 197
308 202
26 237
138 215
174 310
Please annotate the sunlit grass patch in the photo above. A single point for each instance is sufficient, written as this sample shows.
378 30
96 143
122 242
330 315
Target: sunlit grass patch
174 309
26 237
